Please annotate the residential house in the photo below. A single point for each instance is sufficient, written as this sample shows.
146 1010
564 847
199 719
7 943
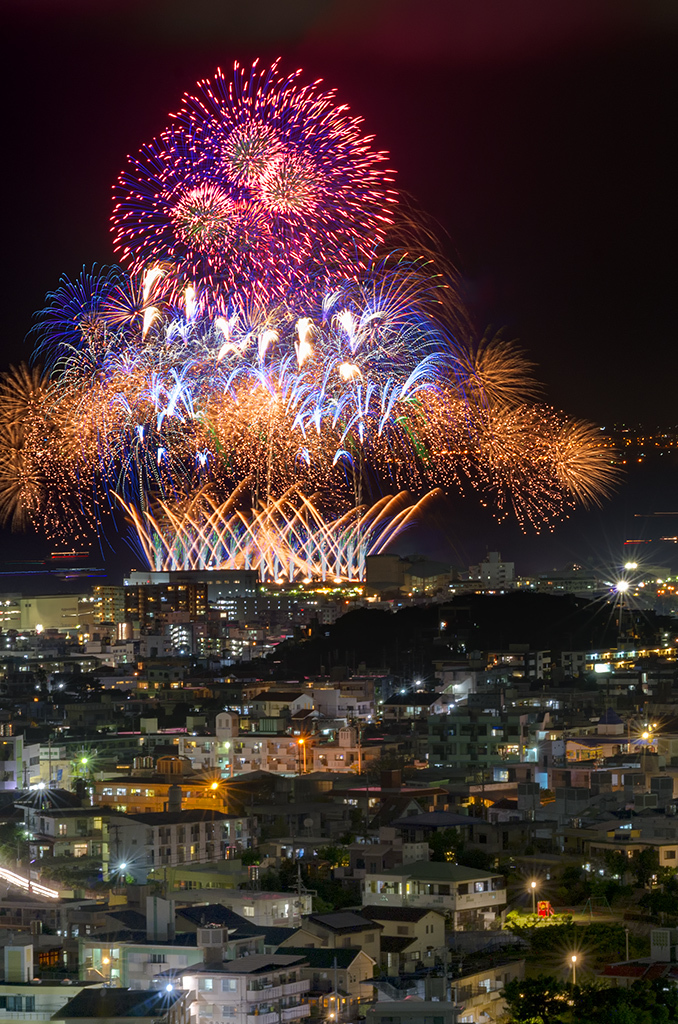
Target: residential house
342 930
263 909
341 980
404 707
281 703
28 1001
344 753
470 898
410 936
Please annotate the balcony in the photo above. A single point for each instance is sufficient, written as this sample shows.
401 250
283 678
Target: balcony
295 988
263 1018
264 994
24 1015
476 995
296 1012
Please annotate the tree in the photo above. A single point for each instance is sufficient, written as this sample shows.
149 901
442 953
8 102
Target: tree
338 856
531 999
664 898
445 844
644 865
617 863
12 839
550 1001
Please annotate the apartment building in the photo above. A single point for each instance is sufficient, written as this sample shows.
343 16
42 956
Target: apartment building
268 989
147 844
67 832
486 738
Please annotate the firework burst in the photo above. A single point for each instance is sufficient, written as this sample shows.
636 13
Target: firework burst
260 186
265 344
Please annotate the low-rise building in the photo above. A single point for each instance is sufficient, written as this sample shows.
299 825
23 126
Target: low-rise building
410 936
116 1005
343 754
148 844
264 988
468 897
341 981
67 832
19 763
341 930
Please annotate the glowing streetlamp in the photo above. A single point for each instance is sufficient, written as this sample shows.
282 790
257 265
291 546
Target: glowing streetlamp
533 887
573 960
302 745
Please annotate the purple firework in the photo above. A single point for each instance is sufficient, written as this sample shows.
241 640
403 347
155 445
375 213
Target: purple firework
261 186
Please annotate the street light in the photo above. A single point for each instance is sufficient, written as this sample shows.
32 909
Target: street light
302 744
573 958
533 887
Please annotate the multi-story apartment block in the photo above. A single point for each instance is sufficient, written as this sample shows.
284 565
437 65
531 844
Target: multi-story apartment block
213 751
147 844
268 752
266 989
483 738
173 784
135 963
67 832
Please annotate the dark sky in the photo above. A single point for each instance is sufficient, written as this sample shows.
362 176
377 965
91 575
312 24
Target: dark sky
541 136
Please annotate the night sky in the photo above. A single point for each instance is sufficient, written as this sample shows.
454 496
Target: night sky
541 137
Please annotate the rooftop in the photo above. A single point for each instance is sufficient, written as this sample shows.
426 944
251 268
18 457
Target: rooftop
259 963
430 871
179 817
109 1003
390 913
324 959
344 921
435 819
